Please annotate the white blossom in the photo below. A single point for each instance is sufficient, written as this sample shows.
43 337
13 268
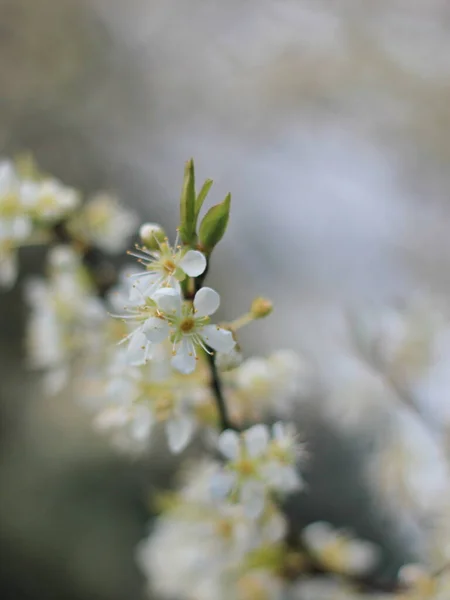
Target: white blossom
189 328
48 200
64 319
105 223
257 463
207 543
159 393
338 551
15 225
167 266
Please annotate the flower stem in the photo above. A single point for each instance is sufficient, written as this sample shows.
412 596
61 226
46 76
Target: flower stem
216 386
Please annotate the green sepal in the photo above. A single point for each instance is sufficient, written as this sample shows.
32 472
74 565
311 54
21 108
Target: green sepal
214 225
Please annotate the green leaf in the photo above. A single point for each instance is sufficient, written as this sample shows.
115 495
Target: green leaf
201 197
214 225
187 205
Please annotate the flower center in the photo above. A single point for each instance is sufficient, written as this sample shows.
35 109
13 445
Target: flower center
9 206
164 407
224 528
246 467
187 325
47 202
169 266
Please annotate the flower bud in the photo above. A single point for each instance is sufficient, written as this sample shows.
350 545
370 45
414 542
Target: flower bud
261 307
152 235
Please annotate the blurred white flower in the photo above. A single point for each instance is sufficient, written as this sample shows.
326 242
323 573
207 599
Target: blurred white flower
149 393
65 318
421 584
48 200
105 223
337 551
15 225
256 464
208 544
274 384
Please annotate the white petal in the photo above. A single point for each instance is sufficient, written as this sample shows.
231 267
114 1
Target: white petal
317 535
168 300
143 286
229 444
253 498
193 263
256 440
8 270
362 556
221 484
156 330
184 359
206 302
179 433
278 430
141 425
217 338
281 478
138 349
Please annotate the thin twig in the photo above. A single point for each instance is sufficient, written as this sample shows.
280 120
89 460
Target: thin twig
216 387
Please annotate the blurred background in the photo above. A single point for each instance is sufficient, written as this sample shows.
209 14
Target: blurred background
329 122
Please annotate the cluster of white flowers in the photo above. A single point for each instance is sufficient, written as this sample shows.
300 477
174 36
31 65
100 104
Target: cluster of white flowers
141 386
158 312
146 356
31 204
65 317
26 206
215 549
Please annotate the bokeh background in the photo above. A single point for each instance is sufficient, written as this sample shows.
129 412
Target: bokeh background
329 122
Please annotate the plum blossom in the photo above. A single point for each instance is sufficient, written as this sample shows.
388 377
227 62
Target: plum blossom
167 266
104 222
138 398
258 463
208 543
188 326
15 225
338 551
65 317
48 200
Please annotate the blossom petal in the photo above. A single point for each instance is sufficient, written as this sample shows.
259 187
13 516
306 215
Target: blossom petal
184 359
362 556
221 484
283 478
156 330
141 424
143 286
206 302
8 270
253 498
217 338
229 444
317 535
193 263
138 349
168 300
256 440
179 433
